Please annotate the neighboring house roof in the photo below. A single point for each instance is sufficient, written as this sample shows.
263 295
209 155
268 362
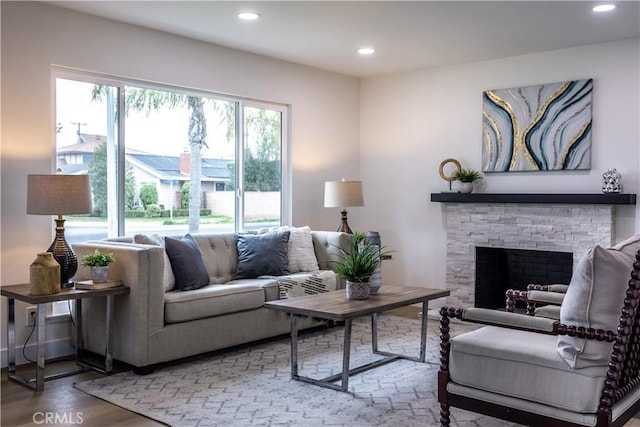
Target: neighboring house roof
162 167
168 167
85 145
76 169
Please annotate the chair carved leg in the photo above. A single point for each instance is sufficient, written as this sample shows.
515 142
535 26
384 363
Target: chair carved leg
531 308
443 374
510 304
445 418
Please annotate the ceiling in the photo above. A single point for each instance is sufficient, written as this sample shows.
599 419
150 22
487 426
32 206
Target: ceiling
406 35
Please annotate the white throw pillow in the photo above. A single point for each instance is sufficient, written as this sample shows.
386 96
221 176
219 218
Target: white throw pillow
302 257
168 278
594 299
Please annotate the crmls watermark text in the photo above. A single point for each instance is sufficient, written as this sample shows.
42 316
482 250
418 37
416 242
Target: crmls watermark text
64 418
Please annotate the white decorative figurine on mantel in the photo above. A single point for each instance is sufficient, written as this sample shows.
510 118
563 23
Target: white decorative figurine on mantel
611 181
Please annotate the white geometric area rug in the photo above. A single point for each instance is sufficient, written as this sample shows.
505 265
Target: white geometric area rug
253 386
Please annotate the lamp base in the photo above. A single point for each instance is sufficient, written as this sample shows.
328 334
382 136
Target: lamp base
344 226
65 256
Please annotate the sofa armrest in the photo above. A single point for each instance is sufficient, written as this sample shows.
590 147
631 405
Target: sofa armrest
140 314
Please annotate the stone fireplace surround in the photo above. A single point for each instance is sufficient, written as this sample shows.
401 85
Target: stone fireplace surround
554 226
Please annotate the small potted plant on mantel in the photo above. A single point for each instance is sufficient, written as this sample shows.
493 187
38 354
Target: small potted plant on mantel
467 177
99 264
357 264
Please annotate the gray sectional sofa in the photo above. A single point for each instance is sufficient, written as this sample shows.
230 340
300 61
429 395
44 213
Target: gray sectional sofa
156 323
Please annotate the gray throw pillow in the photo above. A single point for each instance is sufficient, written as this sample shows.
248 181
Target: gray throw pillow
186 263
262 254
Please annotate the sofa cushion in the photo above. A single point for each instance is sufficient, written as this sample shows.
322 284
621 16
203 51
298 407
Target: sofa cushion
214 300
523 365
262 254
220 255
168 279
186 263
594 299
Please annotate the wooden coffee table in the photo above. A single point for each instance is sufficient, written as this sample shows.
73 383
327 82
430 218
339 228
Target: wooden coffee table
335 306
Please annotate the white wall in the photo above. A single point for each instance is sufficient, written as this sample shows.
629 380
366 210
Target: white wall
323 129
412 121
406 124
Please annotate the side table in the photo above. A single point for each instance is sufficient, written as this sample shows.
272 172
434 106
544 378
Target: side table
21 293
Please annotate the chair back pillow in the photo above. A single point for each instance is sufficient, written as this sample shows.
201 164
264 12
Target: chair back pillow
594 299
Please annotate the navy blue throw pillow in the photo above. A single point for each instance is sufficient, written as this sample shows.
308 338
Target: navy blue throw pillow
264 254
186 263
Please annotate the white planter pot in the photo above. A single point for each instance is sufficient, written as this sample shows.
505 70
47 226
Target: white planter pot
466 187
99 274
357 290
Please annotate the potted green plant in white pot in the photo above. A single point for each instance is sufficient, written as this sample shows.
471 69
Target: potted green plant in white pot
357 264
467 178
99 264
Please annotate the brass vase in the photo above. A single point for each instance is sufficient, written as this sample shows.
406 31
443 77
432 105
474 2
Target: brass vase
44 275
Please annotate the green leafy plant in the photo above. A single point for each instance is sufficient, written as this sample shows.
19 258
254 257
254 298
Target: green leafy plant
97 259
468 175
359 261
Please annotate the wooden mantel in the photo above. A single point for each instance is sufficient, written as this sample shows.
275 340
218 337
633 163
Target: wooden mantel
550 198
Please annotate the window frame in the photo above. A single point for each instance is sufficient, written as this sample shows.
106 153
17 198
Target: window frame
241 102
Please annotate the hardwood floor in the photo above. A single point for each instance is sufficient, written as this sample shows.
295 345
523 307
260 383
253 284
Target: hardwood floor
21 406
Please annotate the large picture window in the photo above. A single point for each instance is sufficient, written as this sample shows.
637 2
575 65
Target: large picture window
168 161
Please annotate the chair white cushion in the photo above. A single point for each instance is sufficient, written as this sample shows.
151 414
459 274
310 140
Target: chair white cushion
594 299
523 365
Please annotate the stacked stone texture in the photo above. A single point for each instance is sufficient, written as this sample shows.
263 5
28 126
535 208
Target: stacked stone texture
548 227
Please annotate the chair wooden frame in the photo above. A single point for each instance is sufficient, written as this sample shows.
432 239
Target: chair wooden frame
513 295
623 375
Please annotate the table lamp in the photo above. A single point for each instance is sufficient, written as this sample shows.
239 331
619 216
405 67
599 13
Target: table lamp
343 194
60 195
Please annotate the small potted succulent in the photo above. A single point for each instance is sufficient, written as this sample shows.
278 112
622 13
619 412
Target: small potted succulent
467 177
357 264
99 264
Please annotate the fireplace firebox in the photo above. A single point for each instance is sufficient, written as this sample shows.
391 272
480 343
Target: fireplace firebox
499 269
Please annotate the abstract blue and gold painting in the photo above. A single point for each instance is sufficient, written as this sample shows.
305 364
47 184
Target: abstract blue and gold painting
537 128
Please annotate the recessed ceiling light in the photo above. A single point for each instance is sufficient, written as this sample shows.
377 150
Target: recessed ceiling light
248 16
366 51
604 8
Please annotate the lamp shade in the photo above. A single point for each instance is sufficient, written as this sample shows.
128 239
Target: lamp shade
342 194
58 194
